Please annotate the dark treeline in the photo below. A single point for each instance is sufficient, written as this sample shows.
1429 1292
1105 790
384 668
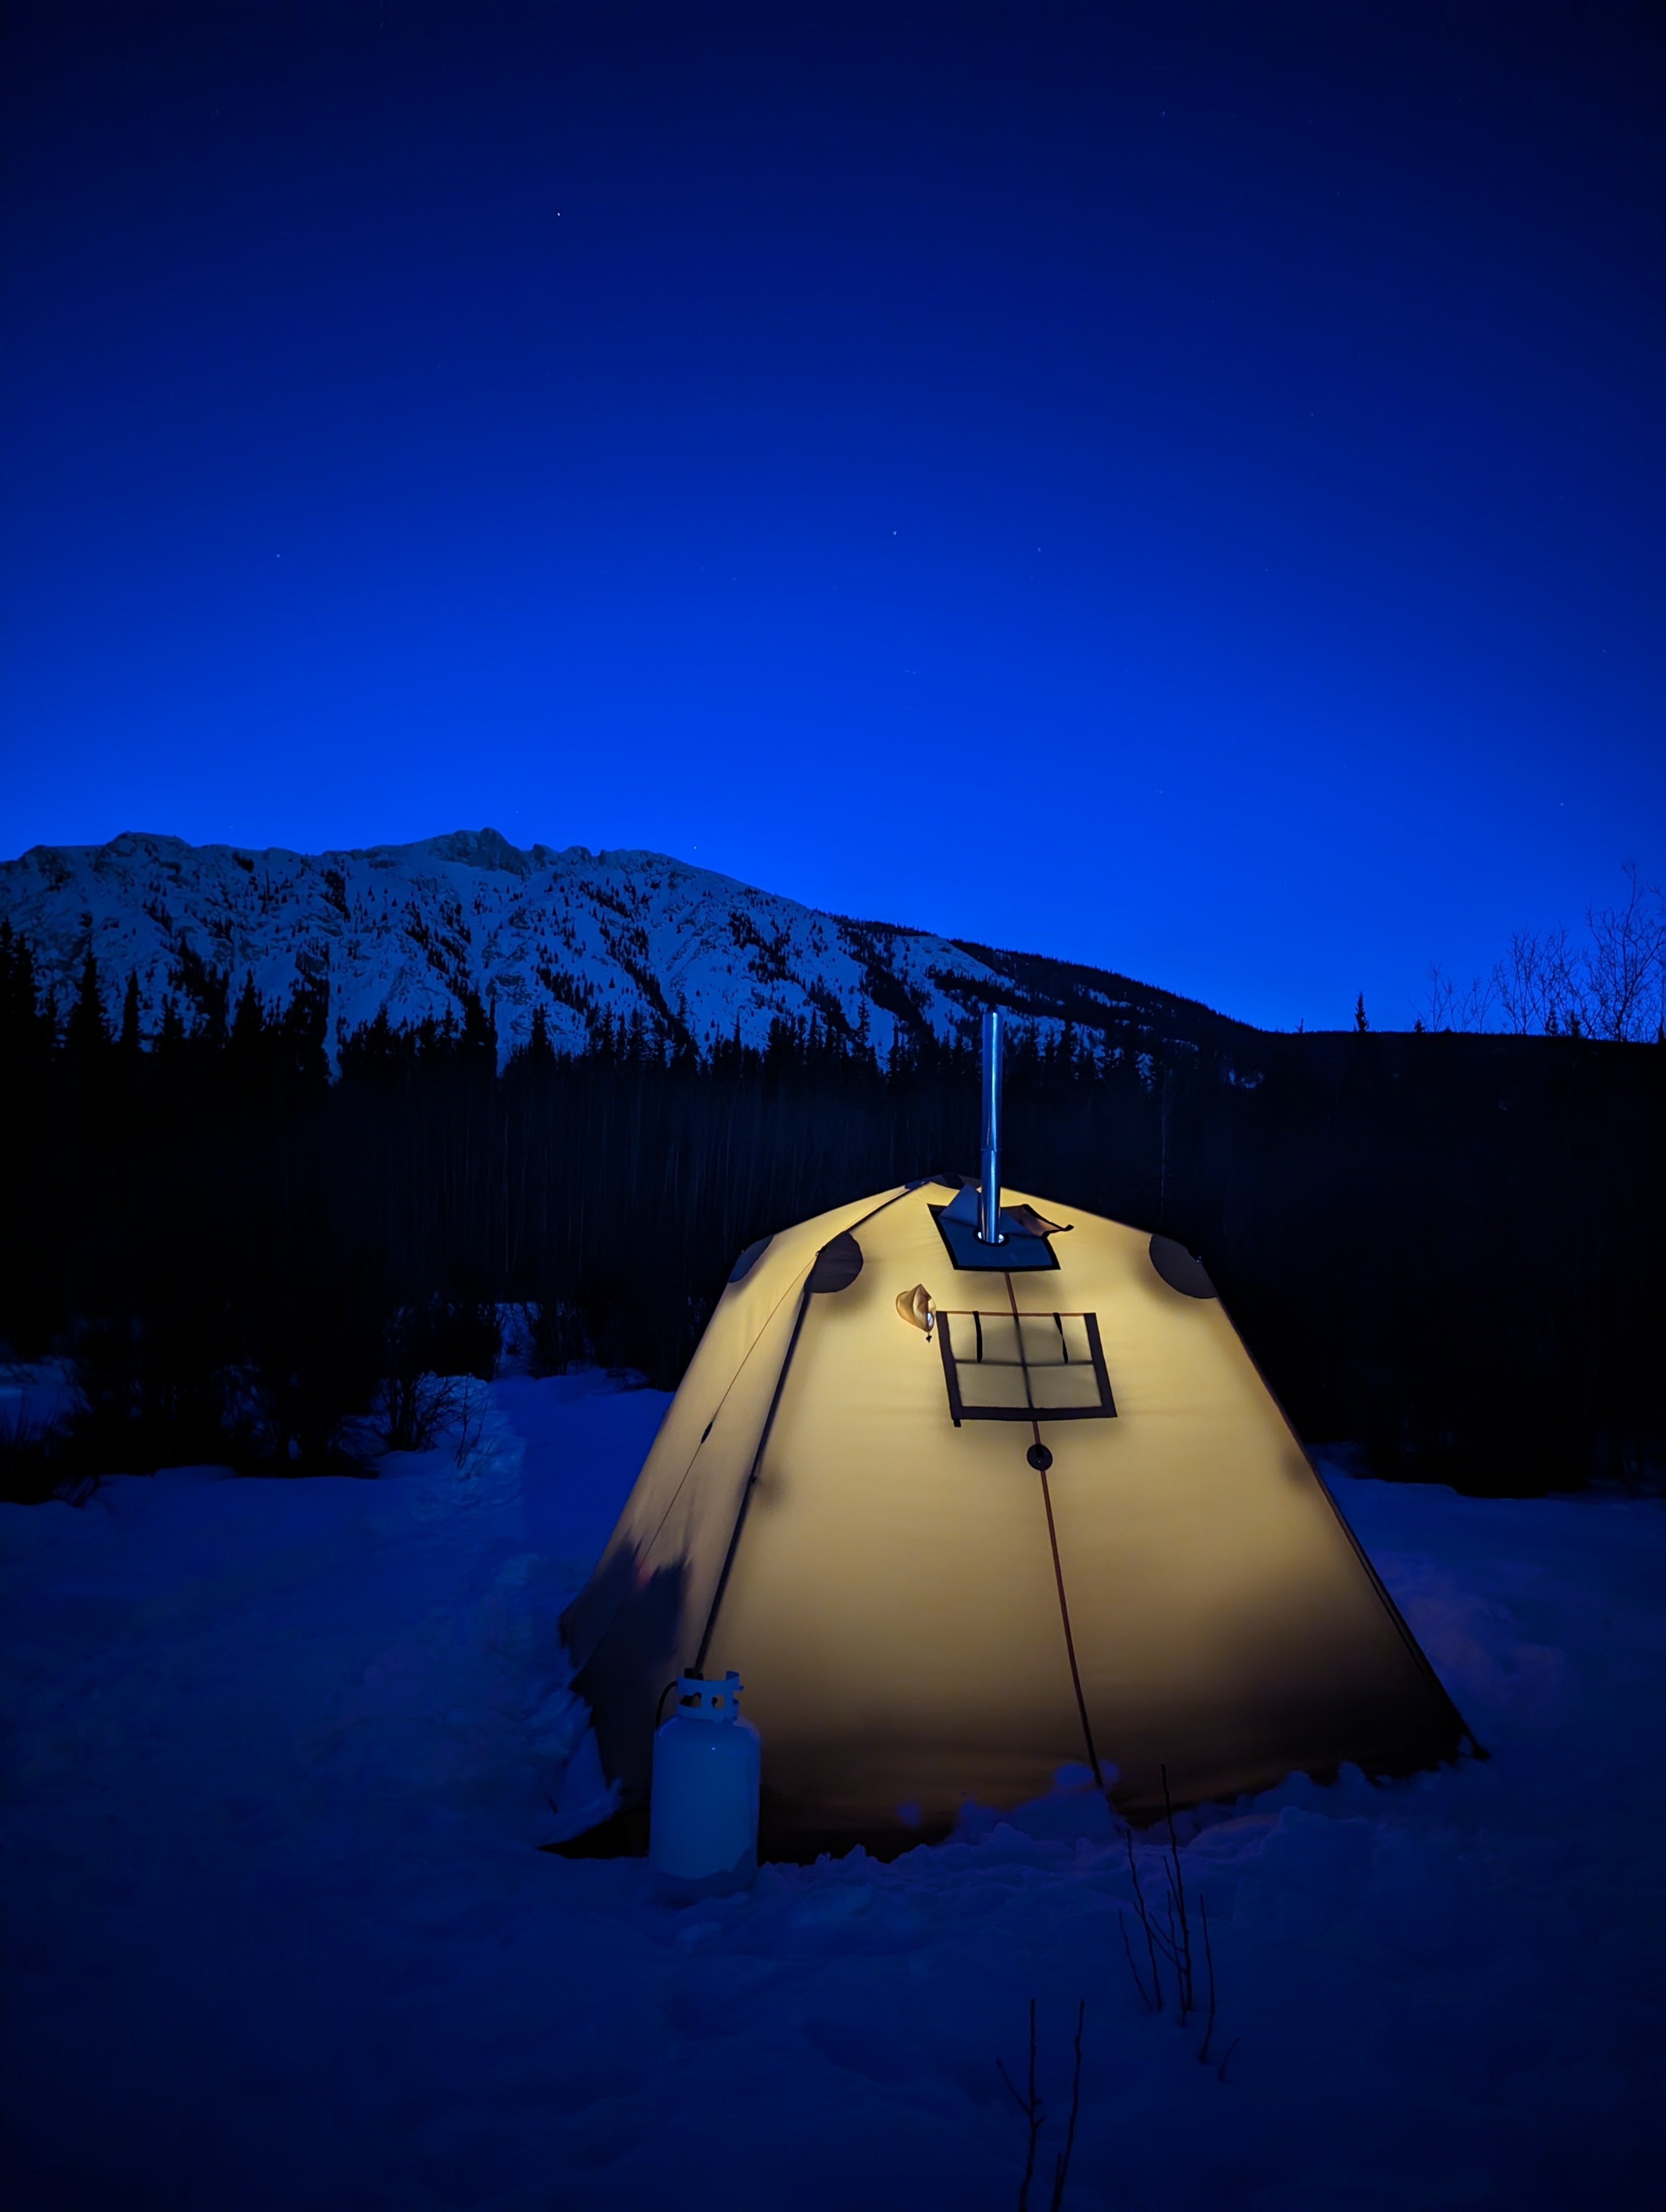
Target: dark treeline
1444 1248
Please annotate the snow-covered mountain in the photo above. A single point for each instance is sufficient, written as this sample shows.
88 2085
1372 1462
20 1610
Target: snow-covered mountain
417 928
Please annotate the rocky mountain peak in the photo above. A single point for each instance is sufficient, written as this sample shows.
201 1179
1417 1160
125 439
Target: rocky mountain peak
423 930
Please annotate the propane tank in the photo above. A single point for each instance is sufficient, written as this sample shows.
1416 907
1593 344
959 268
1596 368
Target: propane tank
703 1825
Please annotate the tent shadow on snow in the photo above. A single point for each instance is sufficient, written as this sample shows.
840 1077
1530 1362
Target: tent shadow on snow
1065 1521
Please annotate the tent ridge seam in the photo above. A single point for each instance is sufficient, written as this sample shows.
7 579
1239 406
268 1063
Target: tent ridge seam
750 1483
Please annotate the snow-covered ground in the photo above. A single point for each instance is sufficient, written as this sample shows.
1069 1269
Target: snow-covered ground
277 1935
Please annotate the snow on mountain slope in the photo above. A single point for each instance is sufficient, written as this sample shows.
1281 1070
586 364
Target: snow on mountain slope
417 928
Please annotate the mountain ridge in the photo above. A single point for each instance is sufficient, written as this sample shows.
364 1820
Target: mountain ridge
622 935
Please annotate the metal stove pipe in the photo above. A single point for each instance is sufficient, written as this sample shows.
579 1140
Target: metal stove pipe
988 1201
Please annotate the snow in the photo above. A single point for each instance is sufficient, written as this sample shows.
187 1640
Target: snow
277 1935
414 927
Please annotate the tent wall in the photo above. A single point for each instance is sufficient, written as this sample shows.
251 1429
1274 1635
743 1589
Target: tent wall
893 1604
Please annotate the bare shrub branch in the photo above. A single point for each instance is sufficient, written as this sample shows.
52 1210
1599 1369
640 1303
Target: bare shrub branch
1061 2162
414 1410
1614 986
1033 2106
1625 962
1170 1942
1033 2109
1451 1008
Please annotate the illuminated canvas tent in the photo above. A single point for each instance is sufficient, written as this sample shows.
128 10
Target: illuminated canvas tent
1067 1523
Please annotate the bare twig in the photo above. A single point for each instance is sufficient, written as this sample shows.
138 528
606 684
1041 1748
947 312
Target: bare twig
1176 1956
1625 962
470 1425
1180 1932
1613 986
1209 1960
414 1408
1033 2106
1171 1942
1155 2000
1061 2162
1033 2110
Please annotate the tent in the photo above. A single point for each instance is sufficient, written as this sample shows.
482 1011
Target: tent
962 1514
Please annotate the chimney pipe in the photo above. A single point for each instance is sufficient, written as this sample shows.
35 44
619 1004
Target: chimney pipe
988 1202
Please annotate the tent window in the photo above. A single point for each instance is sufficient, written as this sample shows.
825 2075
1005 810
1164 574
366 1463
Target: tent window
1024 1367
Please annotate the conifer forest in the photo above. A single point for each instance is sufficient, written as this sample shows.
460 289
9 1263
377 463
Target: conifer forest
1442 1247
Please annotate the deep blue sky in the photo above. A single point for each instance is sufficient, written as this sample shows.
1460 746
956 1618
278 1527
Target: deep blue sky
1177 488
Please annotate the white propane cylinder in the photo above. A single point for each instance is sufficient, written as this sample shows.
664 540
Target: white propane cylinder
702 1822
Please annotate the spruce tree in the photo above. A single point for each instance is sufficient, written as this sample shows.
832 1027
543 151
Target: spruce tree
304 1028
131 1039
249 1024
26 1025
87 1034
479 1038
